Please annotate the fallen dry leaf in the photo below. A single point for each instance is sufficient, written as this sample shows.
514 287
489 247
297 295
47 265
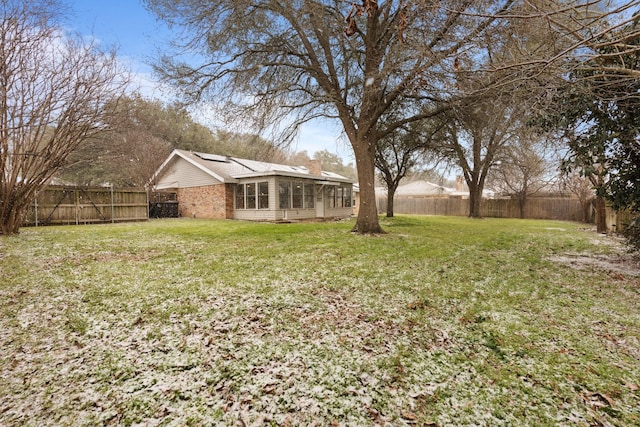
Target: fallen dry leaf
409 415
632 387
598 399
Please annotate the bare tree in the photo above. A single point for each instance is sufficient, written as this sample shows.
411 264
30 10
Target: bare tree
140 153
126 158
525 168
52 93
288 62
401 153
474 138
298 158
498 88
141 134
582 188
292 61
331 162
592 162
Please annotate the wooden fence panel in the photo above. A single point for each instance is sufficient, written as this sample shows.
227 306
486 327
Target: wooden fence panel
559 208
79 205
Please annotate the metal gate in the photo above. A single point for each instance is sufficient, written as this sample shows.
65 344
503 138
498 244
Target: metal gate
163 205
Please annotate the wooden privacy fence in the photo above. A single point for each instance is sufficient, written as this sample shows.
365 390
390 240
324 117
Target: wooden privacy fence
559 208
80 205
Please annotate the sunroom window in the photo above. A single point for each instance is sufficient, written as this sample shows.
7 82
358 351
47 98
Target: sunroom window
240 196
309 198
263 195
251 196
285 194
298 192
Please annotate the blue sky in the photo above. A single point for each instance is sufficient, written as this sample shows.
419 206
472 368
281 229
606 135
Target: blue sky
138 36
125 23
128 26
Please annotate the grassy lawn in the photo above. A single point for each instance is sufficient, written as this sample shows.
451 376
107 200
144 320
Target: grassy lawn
443 321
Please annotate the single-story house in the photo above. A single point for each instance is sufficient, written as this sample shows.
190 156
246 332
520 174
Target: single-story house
215 186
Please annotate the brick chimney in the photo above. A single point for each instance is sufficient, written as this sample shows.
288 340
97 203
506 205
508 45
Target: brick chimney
459 183
315 167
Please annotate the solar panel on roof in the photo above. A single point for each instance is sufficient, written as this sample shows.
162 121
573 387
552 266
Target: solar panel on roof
331 175
300 169
212 157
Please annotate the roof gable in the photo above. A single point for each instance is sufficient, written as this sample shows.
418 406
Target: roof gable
178 172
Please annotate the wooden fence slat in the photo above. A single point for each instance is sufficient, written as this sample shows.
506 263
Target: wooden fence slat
558 208
80 205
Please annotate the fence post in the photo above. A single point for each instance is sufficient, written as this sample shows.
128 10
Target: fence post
76 197
147 193
35 207
112 208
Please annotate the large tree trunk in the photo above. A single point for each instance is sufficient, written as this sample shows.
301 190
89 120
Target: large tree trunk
367 222
522 204
391 193
475 198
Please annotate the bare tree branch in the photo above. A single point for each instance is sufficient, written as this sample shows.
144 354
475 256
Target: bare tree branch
53 91
274 64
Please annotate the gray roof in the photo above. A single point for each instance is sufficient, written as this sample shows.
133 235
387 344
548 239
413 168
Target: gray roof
418 188
230 169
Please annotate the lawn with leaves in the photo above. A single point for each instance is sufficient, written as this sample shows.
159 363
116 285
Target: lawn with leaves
443 321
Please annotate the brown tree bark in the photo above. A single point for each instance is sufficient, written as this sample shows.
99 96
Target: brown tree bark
12 217
475 200
601 215
522 204
367 222
391 194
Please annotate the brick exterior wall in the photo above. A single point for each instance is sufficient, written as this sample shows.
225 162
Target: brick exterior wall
230 193
213 201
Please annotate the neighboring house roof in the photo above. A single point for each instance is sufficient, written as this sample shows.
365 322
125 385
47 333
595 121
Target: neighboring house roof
418 188
227 169
425 188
